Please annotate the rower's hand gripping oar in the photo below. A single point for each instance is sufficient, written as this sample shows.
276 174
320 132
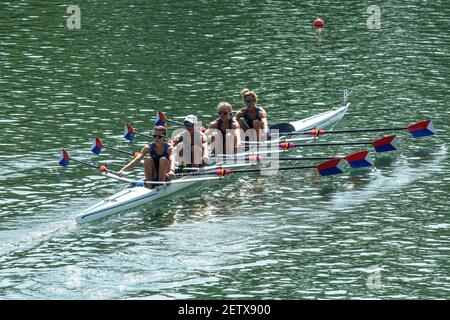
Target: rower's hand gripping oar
419 129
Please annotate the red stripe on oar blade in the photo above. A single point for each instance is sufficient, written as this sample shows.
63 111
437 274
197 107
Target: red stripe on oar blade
385 144
97 146
331 167
421 129
359 159
64 158
129 132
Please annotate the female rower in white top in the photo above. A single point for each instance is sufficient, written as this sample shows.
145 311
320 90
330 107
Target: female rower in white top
194 139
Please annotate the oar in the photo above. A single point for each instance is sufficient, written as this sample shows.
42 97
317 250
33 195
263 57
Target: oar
327 168
65 158
385 144
144 183
130 133
277 140
98 145
258 158
358 159
419 129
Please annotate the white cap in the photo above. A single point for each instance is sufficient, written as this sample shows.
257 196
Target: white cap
191 118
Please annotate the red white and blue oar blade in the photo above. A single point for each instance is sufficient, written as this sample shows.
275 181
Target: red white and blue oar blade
129 132
421 129
359 159
161 119
331 167
64 158
97 146
386 144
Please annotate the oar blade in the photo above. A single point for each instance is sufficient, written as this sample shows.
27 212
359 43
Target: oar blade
97 146
359 159
64 158
331 167
161 119
422 129
386 144
129 133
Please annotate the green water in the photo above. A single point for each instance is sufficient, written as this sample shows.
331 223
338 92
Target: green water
374 234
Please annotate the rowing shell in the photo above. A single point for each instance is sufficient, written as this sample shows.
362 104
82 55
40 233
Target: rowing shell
320 121
134 196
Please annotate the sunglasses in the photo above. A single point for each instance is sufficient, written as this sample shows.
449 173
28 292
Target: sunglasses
188 124
222 112
250 100
157 136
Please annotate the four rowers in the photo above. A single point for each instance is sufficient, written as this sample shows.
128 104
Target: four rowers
160 164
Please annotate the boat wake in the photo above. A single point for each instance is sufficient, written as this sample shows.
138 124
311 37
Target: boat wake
402 175
34 238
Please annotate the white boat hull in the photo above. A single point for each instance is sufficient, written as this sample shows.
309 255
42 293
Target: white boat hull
129 198
134 196
322 120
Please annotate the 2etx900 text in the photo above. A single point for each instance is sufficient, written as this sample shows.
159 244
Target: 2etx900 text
245 309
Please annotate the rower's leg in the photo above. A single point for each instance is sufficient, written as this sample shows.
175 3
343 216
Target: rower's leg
258 125
164 168
197 156
150 171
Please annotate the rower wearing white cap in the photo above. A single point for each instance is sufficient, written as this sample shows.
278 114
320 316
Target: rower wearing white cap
194 139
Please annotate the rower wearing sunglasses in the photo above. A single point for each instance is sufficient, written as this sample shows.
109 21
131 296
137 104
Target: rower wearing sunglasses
194 139
228 126
161 163
251 116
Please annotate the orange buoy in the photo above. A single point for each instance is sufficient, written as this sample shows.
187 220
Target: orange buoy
319 23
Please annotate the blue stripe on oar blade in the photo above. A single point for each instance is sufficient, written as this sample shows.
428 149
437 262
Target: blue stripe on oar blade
359 159
331 167
386 144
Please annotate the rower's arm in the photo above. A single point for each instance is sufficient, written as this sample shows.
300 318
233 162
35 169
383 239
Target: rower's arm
238 115
177 139
264 119
237 132
171 153
135 161
212 125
